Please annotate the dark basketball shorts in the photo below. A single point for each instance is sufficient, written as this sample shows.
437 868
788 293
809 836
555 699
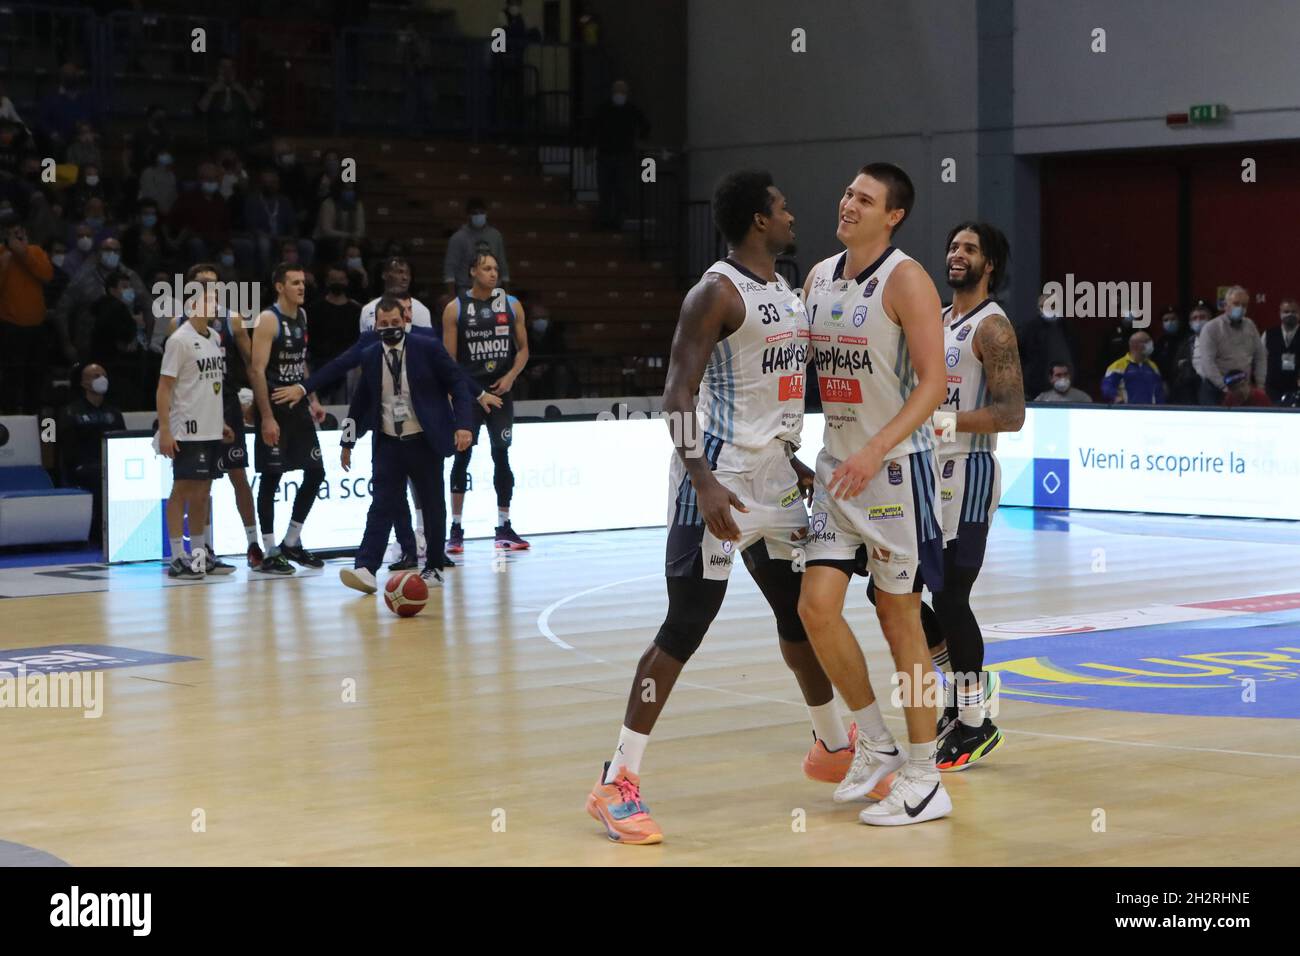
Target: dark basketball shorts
233 457
500 422
196 460
299 448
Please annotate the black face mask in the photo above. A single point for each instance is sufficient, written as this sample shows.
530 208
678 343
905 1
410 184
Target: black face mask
337 288
392 335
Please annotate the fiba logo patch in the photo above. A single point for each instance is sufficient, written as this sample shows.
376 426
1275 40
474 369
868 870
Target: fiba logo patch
895 473
859 315
947 468
871 287
962 333
953 357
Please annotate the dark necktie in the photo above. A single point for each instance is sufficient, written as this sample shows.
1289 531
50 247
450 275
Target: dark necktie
394 358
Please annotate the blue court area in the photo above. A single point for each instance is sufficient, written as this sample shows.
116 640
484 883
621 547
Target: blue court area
1245 665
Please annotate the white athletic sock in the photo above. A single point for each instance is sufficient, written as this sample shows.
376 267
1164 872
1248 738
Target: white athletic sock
970 704
419 520
630 750
200 540
828 726
455 519
250 532
291 536
268 545
871 723
920 758
503 517
178 547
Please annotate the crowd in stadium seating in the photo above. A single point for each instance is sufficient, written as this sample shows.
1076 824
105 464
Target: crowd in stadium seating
1207 359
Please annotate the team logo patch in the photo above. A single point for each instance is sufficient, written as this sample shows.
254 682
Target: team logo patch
505 434
727 546
870 288
895 473
490 365
953 357
859 315
216 388
881 512
819 522
962 333
947 468
315 454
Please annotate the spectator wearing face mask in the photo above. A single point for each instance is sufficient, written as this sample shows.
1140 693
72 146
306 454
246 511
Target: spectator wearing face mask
24 271
1044 341
85 421
340 219
358 276
84 150
58 284
155 138
117 336
547 374
147 220
1229 341
201 217
228 264
96 217
1182 378
618 125
73 318
1240 393
158 182
1282 346
1174 333
335 317
81 248
467 242
1134 379
1062 389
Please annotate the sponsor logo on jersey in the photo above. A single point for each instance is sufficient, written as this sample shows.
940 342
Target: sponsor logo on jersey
790 497
502 330
859 315
717 559
947 468
837 312
954 379
780 358
845 391
746 285
779 337
953 357
870 288
836 360
895 473
946 494
814 337
881 512
852 340
963 332
790 387
502 319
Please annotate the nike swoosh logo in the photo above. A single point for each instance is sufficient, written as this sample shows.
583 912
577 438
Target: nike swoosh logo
887 753
911 812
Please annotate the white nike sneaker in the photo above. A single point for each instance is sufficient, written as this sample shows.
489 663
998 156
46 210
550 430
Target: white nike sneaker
394 552
359 579
872 762
421 550
914 798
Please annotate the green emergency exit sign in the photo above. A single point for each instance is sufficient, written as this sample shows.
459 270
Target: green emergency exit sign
1207 113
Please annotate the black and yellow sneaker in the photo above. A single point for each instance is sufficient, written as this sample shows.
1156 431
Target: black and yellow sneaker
274 564
965 745
300 555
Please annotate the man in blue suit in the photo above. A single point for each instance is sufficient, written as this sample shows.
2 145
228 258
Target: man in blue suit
333 372
401 397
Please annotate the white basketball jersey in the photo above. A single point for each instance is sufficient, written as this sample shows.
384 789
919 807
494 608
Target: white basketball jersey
966 385
420 314
863 368
753 386
198 364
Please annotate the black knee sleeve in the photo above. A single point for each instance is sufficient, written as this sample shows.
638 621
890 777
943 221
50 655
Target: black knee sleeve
780 583
957 620
503 479
931 625
693 603
312 479
460 471
267 486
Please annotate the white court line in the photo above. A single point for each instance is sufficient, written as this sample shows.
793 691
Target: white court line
544 626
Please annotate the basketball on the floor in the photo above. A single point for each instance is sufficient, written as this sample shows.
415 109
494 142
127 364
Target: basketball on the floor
406 594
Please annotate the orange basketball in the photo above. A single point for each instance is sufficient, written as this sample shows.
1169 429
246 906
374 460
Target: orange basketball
406 593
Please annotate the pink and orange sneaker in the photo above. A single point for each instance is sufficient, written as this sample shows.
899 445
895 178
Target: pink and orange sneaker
830 766
619 807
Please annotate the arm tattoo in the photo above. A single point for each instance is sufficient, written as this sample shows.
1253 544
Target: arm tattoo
996 340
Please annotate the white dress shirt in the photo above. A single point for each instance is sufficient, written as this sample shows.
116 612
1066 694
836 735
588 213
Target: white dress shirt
388 394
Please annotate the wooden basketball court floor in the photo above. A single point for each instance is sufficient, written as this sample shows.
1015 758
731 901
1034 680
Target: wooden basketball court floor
478 727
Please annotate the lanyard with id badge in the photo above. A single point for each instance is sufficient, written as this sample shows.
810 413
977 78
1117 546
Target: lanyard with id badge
401 407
